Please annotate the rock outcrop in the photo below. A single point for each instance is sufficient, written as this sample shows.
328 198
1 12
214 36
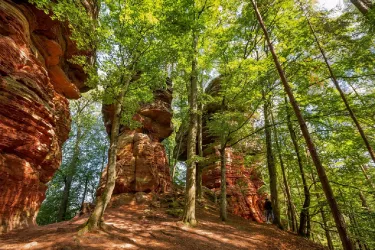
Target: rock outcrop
142 164
36 78
243 182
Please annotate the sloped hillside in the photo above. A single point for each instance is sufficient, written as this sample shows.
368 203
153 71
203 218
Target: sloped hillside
149 227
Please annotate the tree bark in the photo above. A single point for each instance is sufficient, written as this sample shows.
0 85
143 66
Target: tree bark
223 184
324 217
68 178
84 194
304 215
367 177
200 152
176 158
363 6
271 165
291 212
342 95
339 219
327 233
189 211
96 218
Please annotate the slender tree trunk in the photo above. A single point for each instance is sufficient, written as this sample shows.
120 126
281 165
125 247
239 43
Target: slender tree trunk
364 201
326 230
271 165
223 184
101 172
304 215
84 194
339 219
354 224
324 217
69 177
287 190
363 6
189 211
62 215
200 152
367 177
176 160
96 218
342 95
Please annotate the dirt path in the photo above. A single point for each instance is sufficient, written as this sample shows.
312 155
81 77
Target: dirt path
138 227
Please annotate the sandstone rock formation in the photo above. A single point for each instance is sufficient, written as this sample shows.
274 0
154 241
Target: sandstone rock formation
35 80
243 182
142 164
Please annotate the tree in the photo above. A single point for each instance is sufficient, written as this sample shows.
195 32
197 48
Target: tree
341 92
339 220
364 6
82 160
271 162
130 57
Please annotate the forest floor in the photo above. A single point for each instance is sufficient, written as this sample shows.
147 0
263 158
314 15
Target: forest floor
140 227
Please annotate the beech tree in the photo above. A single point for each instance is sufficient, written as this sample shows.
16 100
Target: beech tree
129 67
339 220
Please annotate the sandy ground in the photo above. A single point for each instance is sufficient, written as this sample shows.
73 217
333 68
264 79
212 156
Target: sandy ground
139 227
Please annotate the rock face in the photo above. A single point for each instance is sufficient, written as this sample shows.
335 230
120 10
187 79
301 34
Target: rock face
35 80
142 164
243 182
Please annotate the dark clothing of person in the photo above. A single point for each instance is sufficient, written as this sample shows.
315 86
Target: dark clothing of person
269 213
268 205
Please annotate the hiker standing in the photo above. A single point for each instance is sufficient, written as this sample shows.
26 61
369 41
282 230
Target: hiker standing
268 210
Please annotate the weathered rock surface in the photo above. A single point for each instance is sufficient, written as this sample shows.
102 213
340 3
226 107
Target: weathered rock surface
142 164
243 182
35 80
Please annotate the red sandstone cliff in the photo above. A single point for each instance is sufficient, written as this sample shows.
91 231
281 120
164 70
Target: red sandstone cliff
35 80
142 164
243 182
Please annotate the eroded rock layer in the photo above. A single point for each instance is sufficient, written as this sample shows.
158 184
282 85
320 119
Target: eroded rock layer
243 181
243 184
142 164
35 80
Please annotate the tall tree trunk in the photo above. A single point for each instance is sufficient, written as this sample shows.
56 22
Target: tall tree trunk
200 152
324 217
357 233
364 201
84 194
367 177
342 95
62 215
271 165
69 177
287 190
339 219
223 184
304 215
176 160
189 211
326 230
363 6
96 218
